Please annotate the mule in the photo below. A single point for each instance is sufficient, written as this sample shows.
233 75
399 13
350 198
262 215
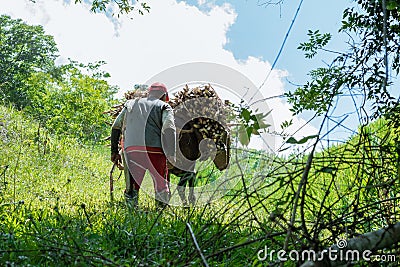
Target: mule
189 151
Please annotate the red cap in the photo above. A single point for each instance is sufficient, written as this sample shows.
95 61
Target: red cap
159 87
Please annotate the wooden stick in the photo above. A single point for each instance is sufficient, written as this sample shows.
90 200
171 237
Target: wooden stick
186 131
112 183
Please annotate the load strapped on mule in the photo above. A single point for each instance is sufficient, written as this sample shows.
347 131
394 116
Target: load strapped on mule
202 132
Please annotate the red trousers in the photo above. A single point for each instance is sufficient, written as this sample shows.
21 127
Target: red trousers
140 159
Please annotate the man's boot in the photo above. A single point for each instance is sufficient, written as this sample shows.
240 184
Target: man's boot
132 199
162 199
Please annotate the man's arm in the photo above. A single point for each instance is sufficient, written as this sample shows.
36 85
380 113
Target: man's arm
116 131
168 133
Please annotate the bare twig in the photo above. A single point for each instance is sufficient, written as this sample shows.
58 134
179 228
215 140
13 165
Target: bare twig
197 245
4 176
83 206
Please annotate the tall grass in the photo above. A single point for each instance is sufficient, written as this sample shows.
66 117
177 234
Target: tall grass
55 207
55 210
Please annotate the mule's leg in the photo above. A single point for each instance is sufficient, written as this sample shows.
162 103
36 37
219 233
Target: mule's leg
181 188
192 197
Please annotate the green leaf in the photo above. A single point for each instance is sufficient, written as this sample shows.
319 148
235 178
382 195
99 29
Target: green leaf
260 119
286 124
249 131
245 114
255 131
305 139
292 140
243 137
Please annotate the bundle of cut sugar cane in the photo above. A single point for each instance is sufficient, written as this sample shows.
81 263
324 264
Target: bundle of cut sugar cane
207 110
186 93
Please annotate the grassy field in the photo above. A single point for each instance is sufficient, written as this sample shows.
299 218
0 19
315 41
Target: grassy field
55 207
55 210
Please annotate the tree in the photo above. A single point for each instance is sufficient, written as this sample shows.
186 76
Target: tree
67 99
71 100
24 50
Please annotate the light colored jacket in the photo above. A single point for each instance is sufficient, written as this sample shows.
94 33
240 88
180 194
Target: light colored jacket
144 123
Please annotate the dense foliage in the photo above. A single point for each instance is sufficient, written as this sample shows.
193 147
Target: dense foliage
68 99
70 102
24 51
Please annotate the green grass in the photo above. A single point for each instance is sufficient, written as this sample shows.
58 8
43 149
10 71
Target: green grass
55 210
55 207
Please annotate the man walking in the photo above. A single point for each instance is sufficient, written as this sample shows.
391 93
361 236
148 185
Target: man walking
148 129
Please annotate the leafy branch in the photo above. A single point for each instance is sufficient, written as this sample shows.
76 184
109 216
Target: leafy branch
124 6
317 41
249 122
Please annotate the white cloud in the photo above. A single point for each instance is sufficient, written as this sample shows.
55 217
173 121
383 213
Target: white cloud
171 34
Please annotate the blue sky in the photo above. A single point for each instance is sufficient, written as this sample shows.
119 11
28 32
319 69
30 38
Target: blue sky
260 30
